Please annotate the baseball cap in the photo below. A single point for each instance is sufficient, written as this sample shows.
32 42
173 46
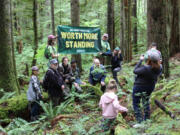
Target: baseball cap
35 68
105 35
53 61
51 37
117 49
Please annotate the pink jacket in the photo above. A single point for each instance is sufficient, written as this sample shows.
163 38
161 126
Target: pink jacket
110 105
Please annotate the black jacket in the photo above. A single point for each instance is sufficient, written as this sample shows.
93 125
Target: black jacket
115 59
55 81
66 72
145 75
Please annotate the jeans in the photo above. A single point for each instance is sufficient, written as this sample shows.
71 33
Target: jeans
114 72
34 107
142 92
78 80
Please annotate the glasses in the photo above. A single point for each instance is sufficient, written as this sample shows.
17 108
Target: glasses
55 64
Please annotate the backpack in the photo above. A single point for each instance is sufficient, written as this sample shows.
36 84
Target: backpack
47 52
45 83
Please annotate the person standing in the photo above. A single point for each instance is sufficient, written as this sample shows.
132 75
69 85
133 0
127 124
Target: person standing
55 83
105 47
50 51
116 60
145 80
34 94
105 44
110 106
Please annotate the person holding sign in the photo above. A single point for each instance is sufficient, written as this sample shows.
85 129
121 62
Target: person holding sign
97 74
116 59
50 51
105 46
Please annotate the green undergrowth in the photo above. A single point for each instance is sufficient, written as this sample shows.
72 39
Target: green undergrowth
84 115
16 106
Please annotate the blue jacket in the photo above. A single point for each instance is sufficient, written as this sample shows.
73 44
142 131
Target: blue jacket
97 76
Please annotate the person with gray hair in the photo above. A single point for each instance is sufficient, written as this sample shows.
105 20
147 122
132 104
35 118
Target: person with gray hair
145 80
54 84
34 94
97 74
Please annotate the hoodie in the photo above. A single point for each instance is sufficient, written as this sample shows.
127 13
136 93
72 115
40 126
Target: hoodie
110 105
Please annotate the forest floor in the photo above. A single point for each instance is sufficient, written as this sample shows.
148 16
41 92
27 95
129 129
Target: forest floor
80 114
88 121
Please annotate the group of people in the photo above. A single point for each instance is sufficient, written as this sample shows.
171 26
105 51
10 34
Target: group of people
57 81
61 76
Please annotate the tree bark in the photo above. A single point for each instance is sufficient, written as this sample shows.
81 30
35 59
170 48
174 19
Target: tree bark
156 22
8 80
75 21
122 27
110 23
128 45
135 26
35 28
48 14
52 17
13 48
174 45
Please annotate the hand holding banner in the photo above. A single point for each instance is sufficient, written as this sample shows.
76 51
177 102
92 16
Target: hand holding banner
75 40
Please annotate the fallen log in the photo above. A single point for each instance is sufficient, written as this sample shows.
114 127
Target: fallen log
59 117
164 109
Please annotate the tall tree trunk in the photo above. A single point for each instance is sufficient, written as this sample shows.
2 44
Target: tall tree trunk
52 17
48 15
35 27
8 80
122 27
174 45
19 42
75 21
156 22
12 41
110 23
179 19
128 45
135 26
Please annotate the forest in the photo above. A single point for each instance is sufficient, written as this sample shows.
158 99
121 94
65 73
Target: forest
76 29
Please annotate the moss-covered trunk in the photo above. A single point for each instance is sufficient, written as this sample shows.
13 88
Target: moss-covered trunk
7 71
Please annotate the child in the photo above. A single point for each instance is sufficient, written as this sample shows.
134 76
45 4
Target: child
34 94
110 105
